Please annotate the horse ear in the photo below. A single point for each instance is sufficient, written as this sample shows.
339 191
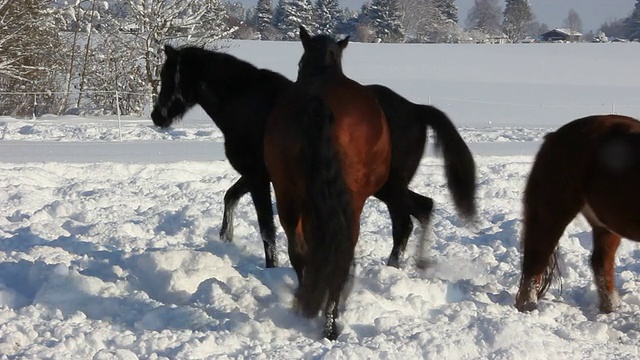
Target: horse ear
170 51
343 43
304 36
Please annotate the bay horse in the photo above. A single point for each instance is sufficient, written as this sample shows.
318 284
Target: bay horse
239 97
589 166
327 149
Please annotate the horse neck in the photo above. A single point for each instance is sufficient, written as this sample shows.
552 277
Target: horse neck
224 99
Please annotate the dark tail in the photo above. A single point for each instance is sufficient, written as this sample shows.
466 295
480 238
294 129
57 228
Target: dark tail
551 272
459 166
328 220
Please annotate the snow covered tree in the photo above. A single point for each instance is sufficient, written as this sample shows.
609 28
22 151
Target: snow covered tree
384 17
263 18
423 21
354 24
328 16
414 14
151 24
29 55
484 16
517 18
290 14
448 9
111 69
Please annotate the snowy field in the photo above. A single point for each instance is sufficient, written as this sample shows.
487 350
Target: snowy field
109 242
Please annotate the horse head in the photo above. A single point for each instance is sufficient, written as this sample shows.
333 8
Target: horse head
177 88
321 55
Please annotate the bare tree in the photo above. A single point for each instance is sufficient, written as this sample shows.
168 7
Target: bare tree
155 22
573 22
29 48
11 27
484 16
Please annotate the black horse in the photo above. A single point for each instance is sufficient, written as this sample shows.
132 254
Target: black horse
239 97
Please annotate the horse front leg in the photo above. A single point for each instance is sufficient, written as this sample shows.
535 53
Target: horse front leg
542 233
231 198
261 196
605 245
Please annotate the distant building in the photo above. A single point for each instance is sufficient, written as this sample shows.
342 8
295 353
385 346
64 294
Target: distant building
561 35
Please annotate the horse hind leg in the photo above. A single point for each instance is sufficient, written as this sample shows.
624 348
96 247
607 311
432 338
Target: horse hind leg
261 196
605 245
421 209
231 198
330 329
401 224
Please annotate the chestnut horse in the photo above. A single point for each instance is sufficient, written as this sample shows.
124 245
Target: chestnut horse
327 149
589 166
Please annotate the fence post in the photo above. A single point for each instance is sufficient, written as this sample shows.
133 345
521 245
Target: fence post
35 106
613 107
118 114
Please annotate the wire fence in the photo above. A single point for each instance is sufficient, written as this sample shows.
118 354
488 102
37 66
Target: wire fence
31 104
137 104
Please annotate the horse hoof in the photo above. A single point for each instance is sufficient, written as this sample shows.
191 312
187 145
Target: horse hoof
609 304
226 237
331 334
393 262
527 306
424 263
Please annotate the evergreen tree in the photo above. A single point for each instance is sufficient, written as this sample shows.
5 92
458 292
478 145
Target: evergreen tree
448 9
328 16
484 16
384 17
290 14
263 18
517 18
632 23
614 28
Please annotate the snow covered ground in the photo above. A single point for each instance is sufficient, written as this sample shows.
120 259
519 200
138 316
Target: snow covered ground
109 248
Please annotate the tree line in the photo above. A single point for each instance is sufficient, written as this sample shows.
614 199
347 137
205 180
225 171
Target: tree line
68 56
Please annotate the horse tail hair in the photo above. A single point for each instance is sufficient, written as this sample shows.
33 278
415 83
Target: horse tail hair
328 224
460 168
551 272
